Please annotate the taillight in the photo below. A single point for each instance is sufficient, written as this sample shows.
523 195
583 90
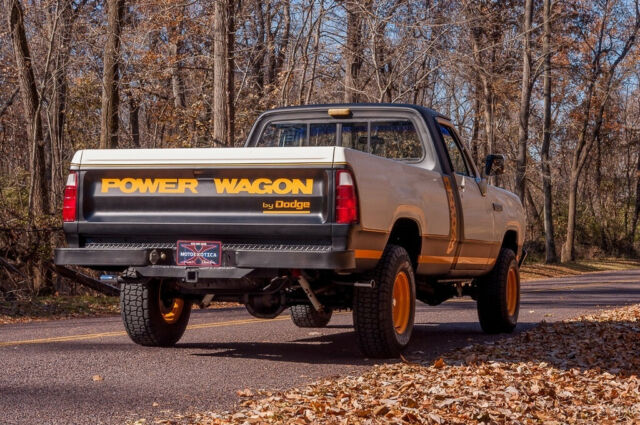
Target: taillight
346 199
70 198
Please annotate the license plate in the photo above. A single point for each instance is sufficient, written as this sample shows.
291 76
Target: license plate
199 253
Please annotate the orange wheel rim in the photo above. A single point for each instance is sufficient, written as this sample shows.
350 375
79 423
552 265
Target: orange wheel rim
172 312
512 291
401 303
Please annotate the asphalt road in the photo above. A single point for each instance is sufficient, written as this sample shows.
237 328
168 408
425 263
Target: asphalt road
46 368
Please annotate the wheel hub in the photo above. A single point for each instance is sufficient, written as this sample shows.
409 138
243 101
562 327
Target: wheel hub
401 303
170 308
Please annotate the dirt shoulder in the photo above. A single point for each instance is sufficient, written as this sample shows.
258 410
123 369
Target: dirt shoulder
533 271
582 371
65 307
57 307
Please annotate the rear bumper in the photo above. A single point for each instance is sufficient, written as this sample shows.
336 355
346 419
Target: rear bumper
233 260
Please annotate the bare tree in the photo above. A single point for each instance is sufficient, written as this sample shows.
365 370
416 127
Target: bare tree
176 51
110 76
586 139
525 102
353 51
230 72
220 63
39 204
550 245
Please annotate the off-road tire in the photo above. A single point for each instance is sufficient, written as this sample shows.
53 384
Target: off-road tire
140 311
305 316
373 307
493 309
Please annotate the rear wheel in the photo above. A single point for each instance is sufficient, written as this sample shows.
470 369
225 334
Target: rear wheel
383 316
305 316
499 295
152 313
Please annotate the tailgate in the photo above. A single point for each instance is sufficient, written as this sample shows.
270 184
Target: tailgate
225 186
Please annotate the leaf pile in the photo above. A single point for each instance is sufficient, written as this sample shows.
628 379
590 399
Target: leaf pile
581 371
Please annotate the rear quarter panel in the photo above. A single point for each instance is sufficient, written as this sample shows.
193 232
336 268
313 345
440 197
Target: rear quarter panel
389 190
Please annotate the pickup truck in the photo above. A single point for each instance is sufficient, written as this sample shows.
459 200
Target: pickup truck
361 207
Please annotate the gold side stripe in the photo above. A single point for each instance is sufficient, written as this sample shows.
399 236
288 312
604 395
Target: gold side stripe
372 254
482 261
434 259
369 254
286 212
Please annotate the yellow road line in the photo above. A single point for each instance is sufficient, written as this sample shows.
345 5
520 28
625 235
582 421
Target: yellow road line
121 333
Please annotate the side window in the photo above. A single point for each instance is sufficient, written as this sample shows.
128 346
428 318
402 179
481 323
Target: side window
283 134
354 136
455 153
322 134
396 140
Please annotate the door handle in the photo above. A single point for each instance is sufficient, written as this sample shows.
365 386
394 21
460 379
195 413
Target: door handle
497 207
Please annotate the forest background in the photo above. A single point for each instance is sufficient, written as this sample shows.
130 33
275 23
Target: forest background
555 86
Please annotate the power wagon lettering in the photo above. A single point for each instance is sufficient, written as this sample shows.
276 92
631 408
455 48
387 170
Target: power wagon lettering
264 186
131 185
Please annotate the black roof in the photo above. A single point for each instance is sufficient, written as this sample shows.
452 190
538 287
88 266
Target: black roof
418 108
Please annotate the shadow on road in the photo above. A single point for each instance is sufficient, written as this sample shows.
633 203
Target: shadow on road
429 342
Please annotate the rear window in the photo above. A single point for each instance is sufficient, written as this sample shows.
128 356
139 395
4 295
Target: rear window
355 136
283 135
323 134
394 139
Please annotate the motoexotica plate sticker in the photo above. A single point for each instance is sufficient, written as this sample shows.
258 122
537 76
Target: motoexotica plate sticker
198 253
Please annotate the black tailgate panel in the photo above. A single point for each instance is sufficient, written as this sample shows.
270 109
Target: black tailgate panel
240 196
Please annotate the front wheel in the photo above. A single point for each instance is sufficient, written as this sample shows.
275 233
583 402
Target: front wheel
499 295
152 313
383 316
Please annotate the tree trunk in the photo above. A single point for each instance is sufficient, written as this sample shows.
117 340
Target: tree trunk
220 79
30 102
636 210
230 95
525 100
110 94
134 120
39 199
549 241
352 52
177 83
270 53
475 153
60 88
286 35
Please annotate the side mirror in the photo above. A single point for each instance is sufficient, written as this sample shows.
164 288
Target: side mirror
494 165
